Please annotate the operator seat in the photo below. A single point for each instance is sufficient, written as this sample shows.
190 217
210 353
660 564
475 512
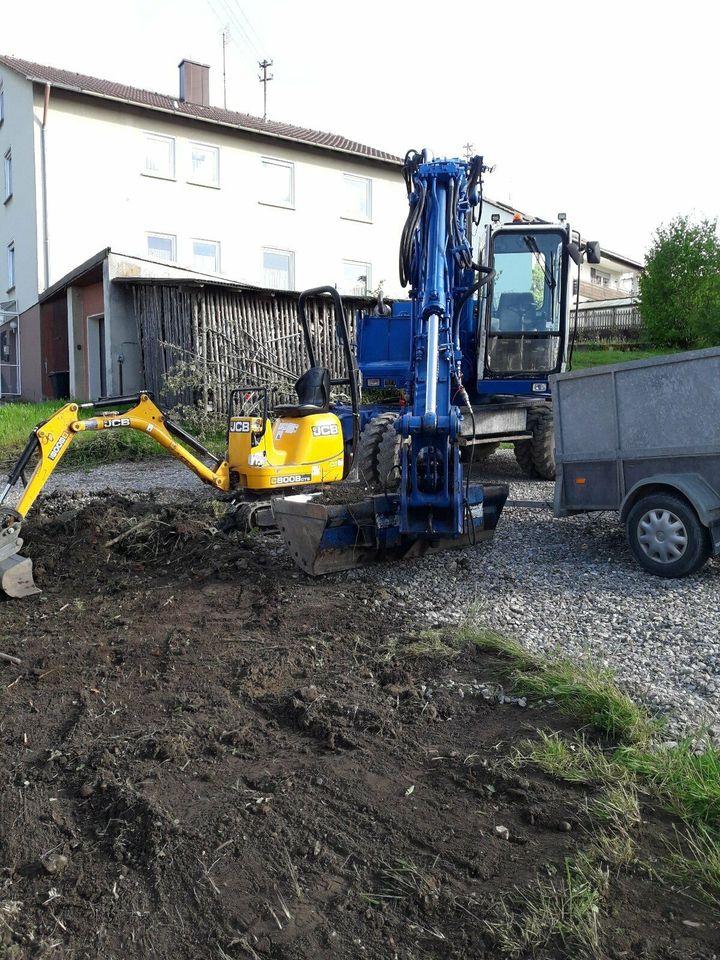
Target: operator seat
313 390
516 312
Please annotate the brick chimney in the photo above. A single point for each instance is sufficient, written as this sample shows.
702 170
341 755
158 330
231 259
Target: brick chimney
195 82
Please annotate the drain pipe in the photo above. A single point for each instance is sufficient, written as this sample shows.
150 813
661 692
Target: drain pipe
43 178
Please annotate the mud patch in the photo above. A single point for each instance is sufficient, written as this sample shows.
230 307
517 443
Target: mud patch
207 754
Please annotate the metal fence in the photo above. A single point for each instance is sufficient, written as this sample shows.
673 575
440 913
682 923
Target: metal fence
609 324
225 338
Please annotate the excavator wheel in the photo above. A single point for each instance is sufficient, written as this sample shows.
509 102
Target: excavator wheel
379 454
536 456
478 451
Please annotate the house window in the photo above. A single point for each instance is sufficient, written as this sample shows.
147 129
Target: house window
161 246
357 198
159 156
278 183
204 165
356 279
279 269
8 175
11 266
600 277
206 256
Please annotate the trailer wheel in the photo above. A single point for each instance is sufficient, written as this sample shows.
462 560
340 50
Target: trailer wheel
379 453
666 535
536 456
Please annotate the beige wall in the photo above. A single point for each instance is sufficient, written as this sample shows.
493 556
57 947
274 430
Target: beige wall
99 196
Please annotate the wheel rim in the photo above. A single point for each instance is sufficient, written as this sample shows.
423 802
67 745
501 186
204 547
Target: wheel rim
662 536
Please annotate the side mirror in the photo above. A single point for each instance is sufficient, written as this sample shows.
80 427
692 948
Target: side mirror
592 251
575 253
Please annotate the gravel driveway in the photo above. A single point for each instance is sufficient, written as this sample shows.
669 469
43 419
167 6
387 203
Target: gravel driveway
566 585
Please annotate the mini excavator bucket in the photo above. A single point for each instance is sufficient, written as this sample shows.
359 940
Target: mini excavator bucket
326 538
16 572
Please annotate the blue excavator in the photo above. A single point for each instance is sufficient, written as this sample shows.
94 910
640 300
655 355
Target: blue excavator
469 355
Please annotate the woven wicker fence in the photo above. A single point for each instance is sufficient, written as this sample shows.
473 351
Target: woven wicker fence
233 338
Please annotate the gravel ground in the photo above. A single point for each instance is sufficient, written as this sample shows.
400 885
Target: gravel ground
566 585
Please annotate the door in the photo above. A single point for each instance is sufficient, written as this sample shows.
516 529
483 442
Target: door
97 371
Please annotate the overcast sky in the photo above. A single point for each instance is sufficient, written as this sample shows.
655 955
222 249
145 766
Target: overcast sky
607 111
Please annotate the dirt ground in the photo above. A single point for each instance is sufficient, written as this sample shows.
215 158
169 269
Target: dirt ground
207 754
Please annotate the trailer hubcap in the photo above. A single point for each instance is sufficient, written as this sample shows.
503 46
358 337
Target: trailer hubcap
662 535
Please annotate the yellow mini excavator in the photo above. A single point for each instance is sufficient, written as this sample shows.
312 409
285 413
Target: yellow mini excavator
291 446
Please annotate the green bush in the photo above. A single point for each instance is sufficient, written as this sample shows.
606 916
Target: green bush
680 287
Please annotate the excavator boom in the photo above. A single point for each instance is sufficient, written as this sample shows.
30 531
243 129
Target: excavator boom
52 439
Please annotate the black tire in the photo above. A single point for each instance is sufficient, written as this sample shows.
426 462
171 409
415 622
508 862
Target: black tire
536 456
379 453
478 451
661 525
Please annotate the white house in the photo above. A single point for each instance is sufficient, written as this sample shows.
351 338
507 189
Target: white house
90 164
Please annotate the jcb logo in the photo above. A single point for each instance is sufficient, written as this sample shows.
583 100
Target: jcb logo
118 422
325 430
240 426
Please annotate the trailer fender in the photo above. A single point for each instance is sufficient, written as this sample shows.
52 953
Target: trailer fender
697 491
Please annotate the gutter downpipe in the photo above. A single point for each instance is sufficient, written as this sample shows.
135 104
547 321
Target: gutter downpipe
43 180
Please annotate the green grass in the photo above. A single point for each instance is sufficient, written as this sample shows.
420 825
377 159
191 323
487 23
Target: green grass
568 911
583 691
686 776
573 760
694 861
582 359
17 421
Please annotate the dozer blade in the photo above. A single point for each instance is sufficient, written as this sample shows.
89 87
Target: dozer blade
327 538
16 572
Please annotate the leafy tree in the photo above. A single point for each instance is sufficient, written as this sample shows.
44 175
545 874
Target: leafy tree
680 287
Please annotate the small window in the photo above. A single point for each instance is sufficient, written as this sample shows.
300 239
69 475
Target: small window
279 269
161 246
356 278
278 183
204 165
357 198
11 267
8 175
159 156
600 277
2 105
206 256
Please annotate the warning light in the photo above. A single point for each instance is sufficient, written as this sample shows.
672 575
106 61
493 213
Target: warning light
517 218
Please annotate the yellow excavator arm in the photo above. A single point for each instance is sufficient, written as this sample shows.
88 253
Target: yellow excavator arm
52 439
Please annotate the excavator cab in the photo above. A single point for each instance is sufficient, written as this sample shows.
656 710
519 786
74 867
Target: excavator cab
525 306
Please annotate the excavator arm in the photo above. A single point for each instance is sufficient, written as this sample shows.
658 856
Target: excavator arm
52 439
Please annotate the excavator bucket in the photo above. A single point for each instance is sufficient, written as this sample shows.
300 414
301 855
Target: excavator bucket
16 572
326 538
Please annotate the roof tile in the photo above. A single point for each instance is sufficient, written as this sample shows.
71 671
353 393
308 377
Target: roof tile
160 101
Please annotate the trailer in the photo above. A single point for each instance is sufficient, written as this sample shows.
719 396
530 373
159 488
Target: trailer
643 438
